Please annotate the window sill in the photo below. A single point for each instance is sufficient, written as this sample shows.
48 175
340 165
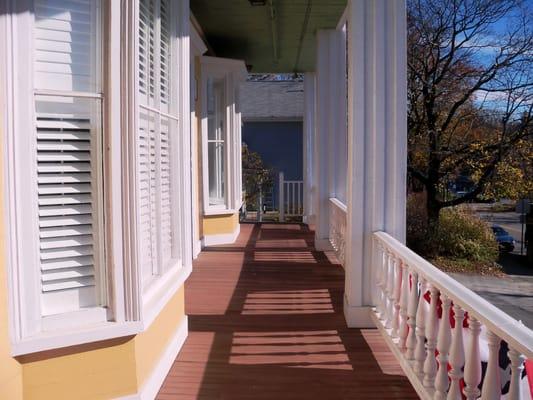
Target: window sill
219 211
87 334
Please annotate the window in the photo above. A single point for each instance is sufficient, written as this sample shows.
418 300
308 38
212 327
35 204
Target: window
221 134
156 141
216 141
95 199
68 148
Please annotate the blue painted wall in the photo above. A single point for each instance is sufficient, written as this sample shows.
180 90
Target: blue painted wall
280 145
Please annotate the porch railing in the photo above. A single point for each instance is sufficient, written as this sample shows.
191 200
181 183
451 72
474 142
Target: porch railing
337 227
426 315
291 198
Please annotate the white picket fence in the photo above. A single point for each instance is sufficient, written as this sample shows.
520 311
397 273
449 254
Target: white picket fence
291 198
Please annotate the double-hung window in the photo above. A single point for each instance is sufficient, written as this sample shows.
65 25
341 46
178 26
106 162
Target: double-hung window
55 167
68 165
216 141
221 134
157 141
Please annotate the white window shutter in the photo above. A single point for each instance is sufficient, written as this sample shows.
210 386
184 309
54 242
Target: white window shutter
68 130
155 126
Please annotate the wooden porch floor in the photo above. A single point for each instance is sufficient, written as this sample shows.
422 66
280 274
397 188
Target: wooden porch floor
266 322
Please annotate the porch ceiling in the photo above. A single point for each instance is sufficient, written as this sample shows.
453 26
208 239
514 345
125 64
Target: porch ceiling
236 29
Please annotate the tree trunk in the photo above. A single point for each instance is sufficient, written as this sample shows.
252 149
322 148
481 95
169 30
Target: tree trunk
433 211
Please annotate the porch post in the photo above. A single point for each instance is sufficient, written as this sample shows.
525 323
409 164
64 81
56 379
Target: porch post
377 142
328 128
308 148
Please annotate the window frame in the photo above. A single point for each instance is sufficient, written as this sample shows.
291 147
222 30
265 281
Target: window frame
129 310
232 72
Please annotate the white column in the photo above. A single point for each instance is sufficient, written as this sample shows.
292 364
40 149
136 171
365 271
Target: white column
377 142
308 148
329 117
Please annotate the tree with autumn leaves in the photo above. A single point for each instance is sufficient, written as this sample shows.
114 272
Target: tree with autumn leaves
470 105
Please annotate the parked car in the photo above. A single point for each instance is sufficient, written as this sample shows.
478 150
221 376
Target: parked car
505 241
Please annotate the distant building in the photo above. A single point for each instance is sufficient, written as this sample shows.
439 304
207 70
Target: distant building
272 101
272 113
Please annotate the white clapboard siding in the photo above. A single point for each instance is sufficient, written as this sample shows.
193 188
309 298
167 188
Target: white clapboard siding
67 59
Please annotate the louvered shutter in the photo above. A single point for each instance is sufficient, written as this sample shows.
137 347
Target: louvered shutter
68 155
155 126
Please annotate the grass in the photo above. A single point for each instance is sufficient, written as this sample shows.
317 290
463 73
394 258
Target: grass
468 266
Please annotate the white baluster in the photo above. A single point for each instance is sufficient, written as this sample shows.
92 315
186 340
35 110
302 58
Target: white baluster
404 301
420 349
384 284
390 291
457 355
472 375
517 367
430 363
398 267
411 316
380 279
443 346
492 387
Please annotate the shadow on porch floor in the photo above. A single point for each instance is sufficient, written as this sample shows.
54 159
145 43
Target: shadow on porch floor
266 322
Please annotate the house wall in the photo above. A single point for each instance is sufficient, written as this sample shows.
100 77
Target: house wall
103 370
220 224
107 369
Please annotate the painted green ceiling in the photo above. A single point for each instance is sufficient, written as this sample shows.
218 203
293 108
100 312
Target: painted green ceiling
236 29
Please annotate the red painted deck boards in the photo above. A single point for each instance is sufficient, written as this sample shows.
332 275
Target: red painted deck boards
266 322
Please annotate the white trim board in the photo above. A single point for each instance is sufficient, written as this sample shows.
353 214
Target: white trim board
223 238
157 377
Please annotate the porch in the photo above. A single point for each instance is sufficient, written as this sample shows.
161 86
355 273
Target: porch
266 322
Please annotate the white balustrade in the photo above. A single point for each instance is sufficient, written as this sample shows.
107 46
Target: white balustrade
410 322
337 227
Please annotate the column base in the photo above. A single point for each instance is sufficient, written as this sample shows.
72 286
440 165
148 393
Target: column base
358 317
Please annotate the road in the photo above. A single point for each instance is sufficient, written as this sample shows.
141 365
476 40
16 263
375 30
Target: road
510 221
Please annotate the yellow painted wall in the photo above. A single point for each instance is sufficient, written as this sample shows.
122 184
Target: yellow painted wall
220 224
103 370
150 344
